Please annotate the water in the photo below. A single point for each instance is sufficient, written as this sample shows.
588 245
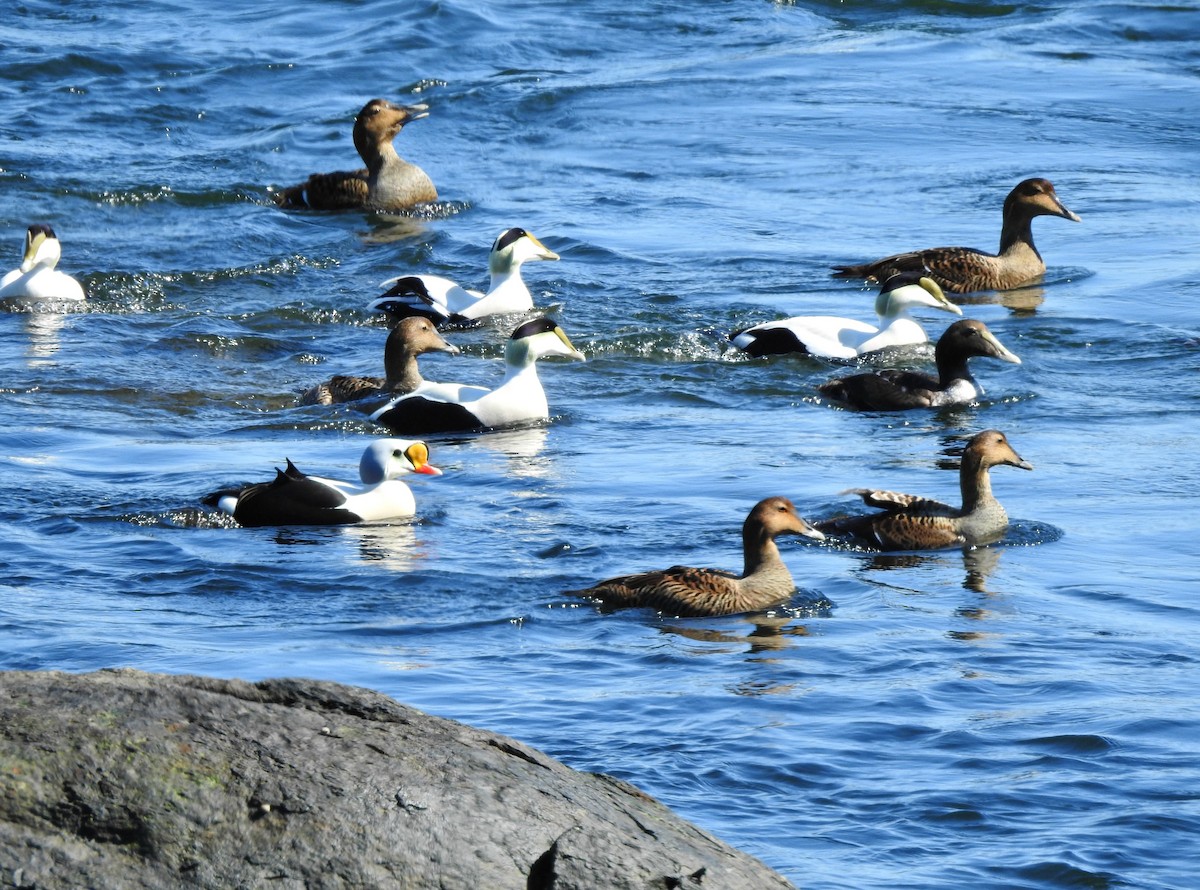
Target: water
1020 716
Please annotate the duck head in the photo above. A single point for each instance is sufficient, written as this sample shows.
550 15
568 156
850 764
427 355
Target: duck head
906 290
777 516
513 247
968 338
535 339
1036 197
388 458
991 449
42 248
381 121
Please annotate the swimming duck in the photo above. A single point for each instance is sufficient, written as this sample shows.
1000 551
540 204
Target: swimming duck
388 183
36 278
688 592
833 337
407 340
916 523
442 301
963 269
293 498
895 390
447 407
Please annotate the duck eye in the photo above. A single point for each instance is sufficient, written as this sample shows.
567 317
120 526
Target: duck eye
397 453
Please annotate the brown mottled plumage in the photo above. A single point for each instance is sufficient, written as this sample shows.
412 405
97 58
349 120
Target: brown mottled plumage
689 592
408 339
915 523
895 390
388 183
963 269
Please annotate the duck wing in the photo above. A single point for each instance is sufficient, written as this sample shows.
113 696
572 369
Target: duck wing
679 590
342 388
823 335
416 414
884 390
291 498
896 501
326 191
428 296
954 268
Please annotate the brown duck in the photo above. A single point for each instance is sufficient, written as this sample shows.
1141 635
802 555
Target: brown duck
410 338
692 593
963 269
388 183
915 523
895 390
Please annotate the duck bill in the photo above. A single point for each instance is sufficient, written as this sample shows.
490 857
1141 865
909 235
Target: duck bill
1021 464
415 112
572 352
809 532
418 455
1065 213
543 252
935 290
1000 352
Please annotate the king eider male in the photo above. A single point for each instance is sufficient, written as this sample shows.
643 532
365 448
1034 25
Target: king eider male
896 390
832 337
963 269
36 278
388 183
453 407
911 522
292 498
765 580
444 302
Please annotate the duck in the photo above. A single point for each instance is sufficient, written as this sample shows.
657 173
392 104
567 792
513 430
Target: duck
896 390
293 498
828 336
454 407
961 270
407 340
444 302
36 278
692 593
388 183
911 522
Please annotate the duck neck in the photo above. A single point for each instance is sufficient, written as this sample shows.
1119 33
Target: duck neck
759 552
950 368
976 484
1016 236
402 373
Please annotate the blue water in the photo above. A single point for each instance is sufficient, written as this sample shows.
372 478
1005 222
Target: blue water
1022 716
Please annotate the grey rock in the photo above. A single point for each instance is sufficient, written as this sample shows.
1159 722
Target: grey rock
133 780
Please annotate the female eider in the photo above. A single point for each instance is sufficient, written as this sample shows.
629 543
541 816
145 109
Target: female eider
916 523
896 390
832 337
687 592
293 498
408 339
963 269
519 399
36 278
442 301
388 183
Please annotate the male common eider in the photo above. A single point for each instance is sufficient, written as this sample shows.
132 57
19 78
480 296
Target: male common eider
449 407
687 592
442 301
408 339
292 498
963 269
895 390
36 278
833 337
388 183
916 523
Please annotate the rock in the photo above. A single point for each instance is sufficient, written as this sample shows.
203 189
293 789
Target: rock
127 779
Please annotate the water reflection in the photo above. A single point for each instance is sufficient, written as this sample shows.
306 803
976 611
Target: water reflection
1021 301
43 329
761 633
